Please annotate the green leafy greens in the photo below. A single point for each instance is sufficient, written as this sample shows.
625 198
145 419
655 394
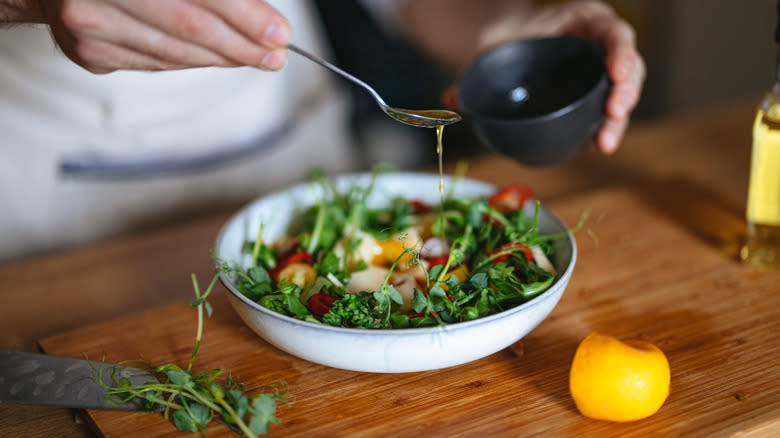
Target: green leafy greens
489 259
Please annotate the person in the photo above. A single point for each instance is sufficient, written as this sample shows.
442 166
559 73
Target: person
117 113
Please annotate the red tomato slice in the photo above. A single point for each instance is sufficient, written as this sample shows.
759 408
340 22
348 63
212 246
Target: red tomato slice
514 246
321 303
438 260
510 198
298 257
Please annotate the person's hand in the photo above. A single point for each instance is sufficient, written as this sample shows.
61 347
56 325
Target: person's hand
107 35
598 22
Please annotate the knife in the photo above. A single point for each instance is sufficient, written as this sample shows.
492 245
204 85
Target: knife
40 379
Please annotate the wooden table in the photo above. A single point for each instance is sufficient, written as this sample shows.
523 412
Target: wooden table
705 155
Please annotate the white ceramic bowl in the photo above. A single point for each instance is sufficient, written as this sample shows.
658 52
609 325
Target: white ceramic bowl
384 350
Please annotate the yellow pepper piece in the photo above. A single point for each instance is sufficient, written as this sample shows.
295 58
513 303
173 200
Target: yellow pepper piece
391 250
459 272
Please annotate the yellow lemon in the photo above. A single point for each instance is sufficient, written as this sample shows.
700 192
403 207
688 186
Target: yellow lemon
618 381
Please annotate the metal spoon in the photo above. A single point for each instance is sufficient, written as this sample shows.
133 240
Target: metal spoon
419 118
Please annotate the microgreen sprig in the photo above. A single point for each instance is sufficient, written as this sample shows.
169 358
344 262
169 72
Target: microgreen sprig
196 399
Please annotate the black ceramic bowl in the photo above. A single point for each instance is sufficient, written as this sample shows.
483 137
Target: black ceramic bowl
538 101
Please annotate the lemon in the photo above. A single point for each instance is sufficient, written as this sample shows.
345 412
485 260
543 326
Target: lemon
618 381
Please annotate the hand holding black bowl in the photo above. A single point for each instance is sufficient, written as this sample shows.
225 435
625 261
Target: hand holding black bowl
538 101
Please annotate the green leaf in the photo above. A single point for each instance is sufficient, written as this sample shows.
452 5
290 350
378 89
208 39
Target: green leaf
258 274
474 214
425 321
437 291
330 264
438 298
150 399
393 293
263 409
200 414
479 280
419 301
435 271
468 313
184 422
209 309
360 265
380 297
182 378
452 282
295 306
399 321
239 401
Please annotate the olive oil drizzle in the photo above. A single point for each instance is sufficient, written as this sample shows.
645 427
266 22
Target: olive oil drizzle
440 154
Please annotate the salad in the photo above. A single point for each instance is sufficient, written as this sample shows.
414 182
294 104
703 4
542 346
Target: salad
406 264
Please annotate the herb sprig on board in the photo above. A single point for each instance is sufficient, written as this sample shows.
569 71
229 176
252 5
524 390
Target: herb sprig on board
193 400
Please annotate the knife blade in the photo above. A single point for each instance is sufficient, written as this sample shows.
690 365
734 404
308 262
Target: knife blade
39 379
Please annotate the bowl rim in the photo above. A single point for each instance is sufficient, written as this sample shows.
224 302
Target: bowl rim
414 331
603 80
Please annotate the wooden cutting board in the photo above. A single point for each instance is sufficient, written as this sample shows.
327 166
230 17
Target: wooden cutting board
654 263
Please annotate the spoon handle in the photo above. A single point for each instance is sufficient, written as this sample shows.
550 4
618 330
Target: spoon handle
326 64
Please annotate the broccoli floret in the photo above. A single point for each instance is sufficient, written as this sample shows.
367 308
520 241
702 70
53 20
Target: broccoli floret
351 311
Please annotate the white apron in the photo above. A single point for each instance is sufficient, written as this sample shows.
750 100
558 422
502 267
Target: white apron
85 156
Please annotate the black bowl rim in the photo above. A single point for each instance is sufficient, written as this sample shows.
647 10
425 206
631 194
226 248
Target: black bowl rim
571 107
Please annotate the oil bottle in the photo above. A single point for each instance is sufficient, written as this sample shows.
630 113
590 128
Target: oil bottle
762 246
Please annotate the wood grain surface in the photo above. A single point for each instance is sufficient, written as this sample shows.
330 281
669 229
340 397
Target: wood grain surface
656 262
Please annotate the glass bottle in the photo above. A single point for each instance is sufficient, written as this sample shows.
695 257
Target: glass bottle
762 247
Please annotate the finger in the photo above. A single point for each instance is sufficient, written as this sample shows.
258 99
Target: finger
610 134
624 65
189 22
95 52
257 20
625 94
619 40
106 23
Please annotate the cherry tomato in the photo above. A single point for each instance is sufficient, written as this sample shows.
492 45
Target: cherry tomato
514 246
419 207
321 303
510 198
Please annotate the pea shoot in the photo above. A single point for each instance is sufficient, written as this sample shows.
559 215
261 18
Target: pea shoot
193 400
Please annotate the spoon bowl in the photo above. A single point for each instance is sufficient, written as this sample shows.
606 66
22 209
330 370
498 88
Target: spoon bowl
418 118
423 118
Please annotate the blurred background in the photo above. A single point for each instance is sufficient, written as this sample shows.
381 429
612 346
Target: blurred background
699 53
